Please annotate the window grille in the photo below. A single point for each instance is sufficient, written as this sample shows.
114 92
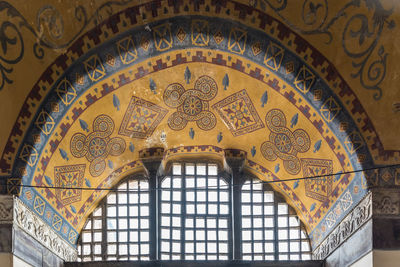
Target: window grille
194 211
195 214
119 228
270 228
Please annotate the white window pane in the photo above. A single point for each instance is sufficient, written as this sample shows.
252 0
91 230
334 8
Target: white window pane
246 197
283 234
212 183
269 234
112 249
133 223
268 210
257 197
133 198
212 235
144 198
165 233
87 237
294 234
189 247
133 236
224 196
176 196
165 246
268 197
223 223
258 247
257 222
111 198
190 209
176 234
111 236
165 195
222 235
201 169
189 223
268 222
200 223
111 211
123 236
97 224
282 221
88 225
283 246
165 221
122 198
201 183
212 169
200 235
177 182
145 248
176 169
176 247
201 208
258 235
123 223
176 221
189 235
165 208
294 246
269 247
97 237
122 210
211 223
305 246
190 183
212 208
246 223
246 235
201 196
282 208
166 183
212 248
200 247
144 211
189 169
111 224
144 223
144 236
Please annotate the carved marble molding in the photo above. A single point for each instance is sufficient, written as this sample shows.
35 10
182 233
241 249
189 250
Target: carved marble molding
6 209
38 229
386 202
349 225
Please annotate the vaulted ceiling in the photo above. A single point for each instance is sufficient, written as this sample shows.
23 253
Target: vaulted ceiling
297 88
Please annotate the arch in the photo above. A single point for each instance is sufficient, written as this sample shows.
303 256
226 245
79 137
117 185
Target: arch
91 76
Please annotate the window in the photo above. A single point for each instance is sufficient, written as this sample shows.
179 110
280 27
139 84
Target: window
195 214
192 220
119 228
270 228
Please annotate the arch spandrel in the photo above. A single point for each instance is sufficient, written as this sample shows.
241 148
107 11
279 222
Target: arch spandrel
86 127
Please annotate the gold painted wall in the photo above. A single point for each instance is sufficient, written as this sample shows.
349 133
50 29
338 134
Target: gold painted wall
86 85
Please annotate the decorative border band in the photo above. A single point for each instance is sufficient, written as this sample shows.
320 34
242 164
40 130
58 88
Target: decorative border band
28 221
353 221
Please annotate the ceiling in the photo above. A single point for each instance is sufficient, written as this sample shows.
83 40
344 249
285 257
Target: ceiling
297 89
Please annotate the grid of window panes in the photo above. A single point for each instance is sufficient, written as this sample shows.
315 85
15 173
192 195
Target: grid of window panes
127 219
90 248
195 214
269 230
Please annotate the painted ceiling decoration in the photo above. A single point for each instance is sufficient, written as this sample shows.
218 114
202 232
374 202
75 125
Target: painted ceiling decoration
214 79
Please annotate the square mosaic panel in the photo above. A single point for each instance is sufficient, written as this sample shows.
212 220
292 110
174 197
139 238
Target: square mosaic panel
239 114
141 118
318 188
70 177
